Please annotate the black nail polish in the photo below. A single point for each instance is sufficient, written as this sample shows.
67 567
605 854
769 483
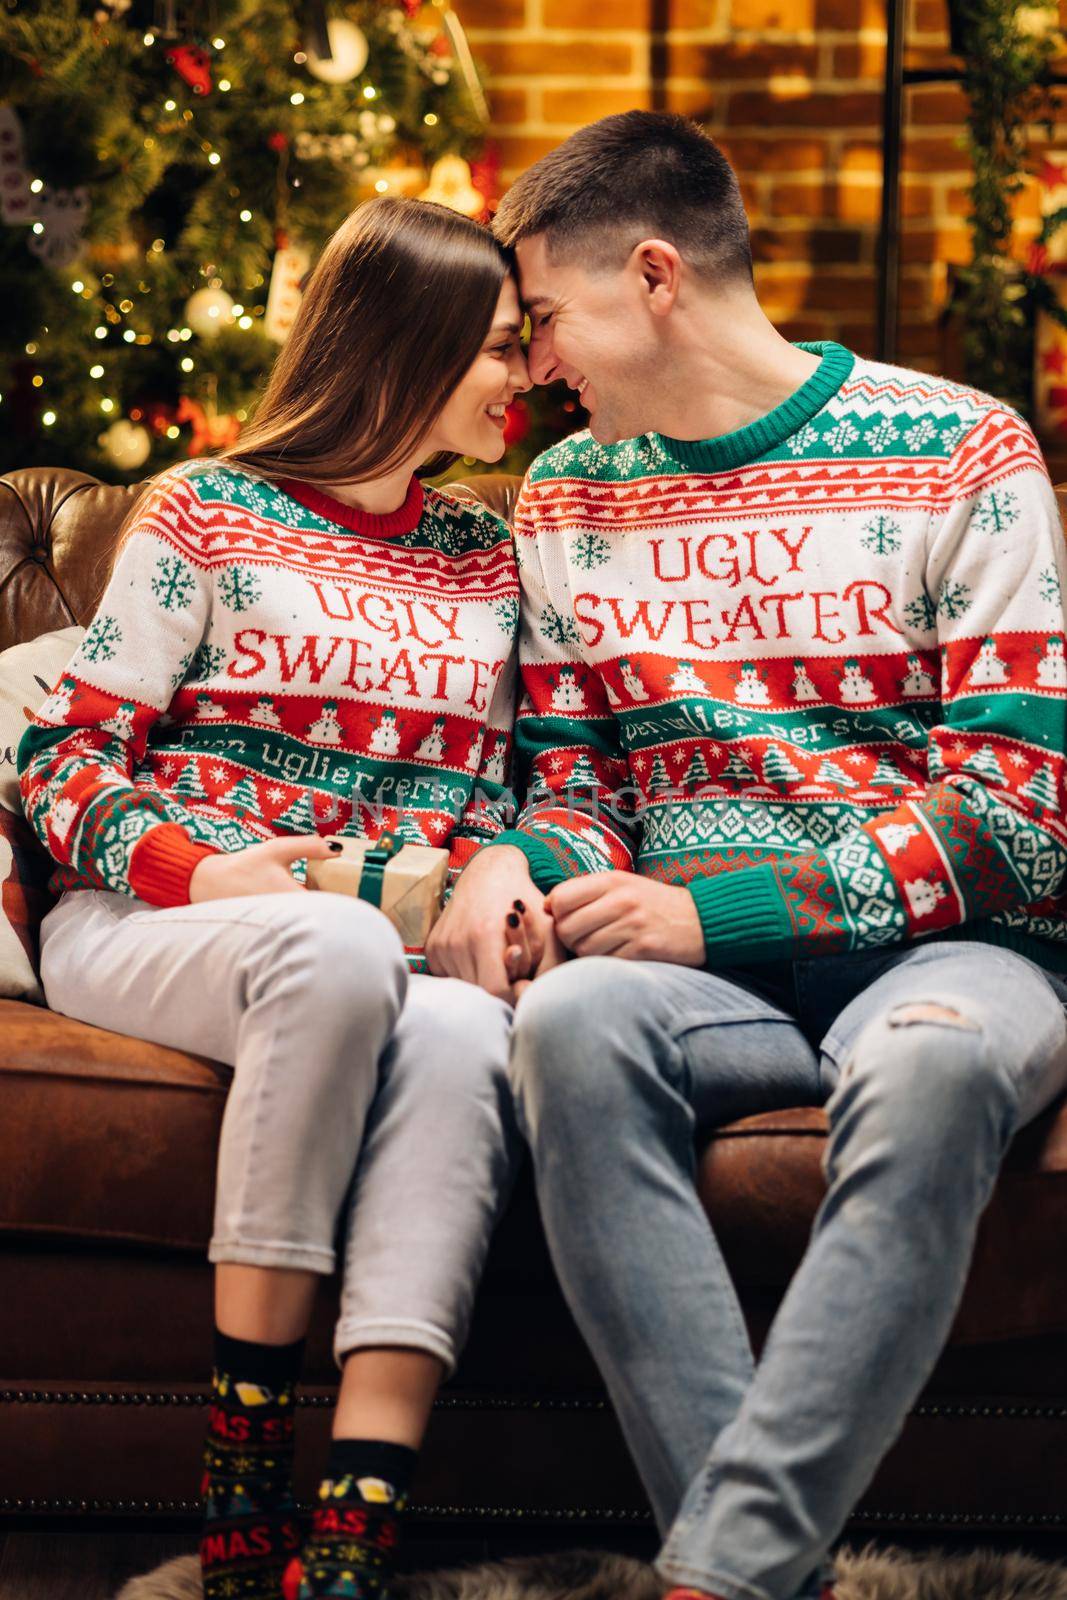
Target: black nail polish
513 920
335 844
518 905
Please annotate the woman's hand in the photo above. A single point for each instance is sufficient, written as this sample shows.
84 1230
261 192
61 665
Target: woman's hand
531 944
465 941
258 869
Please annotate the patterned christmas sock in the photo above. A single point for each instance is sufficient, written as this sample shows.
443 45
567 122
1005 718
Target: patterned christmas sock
250 1528
355 1527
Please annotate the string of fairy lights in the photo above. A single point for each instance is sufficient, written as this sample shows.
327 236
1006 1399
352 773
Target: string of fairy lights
210 309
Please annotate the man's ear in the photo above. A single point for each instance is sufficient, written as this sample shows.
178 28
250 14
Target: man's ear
660 268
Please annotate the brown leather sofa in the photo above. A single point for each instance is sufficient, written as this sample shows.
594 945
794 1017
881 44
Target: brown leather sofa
107 1161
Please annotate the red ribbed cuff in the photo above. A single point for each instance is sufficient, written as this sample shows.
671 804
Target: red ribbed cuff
162 864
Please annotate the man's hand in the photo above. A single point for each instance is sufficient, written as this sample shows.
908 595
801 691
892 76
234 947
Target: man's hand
465 941
621 914
258 869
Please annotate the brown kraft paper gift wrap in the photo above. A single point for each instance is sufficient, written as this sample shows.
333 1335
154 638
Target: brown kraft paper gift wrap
405 881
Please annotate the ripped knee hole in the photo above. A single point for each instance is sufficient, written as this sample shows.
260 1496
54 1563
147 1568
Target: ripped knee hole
930 1011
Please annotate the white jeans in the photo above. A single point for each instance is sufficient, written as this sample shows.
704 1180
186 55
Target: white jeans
362 1095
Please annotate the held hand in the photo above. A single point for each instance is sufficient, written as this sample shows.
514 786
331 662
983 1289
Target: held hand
531 945
465 940
621 914
258 869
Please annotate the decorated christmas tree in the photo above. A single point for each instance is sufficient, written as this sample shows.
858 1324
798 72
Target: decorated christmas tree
169 172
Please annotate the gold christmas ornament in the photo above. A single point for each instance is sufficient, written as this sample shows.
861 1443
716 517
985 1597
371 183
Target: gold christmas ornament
450 185
348 53
126 444
207 311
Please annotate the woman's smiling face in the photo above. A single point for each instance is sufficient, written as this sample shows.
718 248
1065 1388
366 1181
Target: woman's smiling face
472 421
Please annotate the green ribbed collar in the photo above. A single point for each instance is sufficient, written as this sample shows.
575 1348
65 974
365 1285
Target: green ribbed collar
757 438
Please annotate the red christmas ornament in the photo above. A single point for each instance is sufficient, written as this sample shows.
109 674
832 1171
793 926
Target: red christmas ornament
412 9
1055 361
278 141
193 66
209 432
485 174
1037 260
516 423
1051 175
158 415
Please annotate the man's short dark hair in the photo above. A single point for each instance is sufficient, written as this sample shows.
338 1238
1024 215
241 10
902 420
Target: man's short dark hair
641 174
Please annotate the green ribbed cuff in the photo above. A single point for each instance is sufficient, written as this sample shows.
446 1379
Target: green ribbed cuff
744 917
546 869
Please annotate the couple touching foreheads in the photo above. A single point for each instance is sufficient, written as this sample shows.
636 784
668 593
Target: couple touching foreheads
788 696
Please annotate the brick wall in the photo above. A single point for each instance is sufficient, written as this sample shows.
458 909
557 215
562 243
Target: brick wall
792 90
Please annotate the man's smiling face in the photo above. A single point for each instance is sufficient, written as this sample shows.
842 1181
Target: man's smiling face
593 331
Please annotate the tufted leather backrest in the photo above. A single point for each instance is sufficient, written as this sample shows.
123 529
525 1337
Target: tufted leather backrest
57 533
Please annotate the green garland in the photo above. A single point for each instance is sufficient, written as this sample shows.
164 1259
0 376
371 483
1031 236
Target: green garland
1005 78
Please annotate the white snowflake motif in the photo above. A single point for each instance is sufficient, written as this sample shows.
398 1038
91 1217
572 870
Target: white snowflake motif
168 768
841 436
219 774
920 434
591 455
958 747
438 825
857 758
1049 585
996 511
1017 760
556 764
881 436
804 439
276 795
951 437
954 600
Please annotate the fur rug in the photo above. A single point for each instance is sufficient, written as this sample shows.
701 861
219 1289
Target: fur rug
868 1574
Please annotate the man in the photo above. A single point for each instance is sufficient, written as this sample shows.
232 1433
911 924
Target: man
810 605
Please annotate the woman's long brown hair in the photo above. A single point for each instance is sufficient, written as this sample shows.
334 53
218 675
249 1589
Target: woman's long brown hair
394 313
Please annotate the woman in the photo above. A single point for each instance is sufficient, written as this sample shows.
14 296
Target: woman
299 641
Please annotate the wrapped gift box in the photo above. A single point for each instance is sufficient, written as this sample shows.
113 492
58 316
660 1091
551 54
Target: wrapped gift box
405 881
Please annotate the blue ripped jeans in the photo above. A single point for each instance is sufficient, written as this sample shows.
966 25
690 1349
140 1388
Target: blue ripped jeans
928 1059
